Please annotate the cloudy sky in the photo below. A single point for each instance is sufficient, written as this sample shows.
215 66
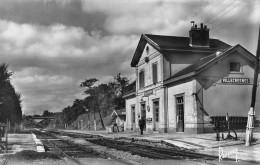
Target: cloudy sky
53 45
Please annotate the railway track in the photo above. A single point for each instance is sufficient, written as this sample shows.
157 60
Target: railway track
144 150
65 148
152 151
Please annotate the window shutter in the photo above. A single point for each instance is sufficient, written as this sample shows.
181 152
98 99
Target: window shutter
155 76
141 79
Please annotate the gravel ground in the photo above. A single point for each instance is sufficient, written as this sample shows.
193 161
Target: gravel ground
107 151
36 162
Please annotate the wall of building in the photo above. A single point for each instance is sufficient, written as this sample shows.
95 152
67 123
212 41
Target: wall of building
156 92
129 102
220 98
190 108
119 121
154 56
176 61
147 53
158 95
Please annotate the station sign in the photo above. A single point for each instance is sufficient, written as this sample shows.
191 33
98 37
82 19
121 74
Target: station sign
148 93
236 81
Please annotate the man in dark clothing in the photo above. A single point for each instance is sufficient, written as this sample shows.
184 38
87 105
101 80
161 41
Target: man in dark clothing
142 124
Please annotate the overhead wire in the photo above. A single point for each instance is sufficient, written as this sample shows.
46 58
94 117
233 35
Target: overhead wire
199 14
244 14
243 18
219 9
215 23
208 8
220 26
219 16
205 13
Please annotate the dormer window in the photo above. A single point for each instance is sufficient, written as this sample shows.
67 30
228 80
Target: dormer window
235 67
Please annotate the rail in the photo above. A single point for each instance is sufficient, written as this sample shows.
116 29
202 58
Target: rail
55 147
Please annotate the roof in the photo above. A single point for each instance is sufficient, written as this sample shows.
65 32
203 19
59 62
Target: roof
205 62
122 117
130 90
173 43
198 64
119 112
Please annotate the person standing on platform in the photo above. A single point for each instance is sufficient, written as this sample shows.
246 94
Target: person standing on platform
141 125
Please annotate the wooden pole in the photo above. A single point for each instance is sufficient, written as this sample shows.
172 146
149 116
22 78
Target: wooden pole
6 137
251 113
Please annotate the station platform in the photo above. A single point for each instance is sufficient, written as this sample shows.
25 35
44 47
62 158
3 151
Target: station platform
19 142
201 143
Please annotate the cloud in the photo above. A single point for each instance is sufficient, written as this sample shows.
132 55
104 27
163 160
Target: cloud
49 12
44 90
49 61
173 17
53 45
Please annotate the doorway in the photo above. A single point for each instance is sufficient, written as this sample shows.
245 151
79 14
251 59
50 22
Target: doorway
133 117
143 113
156 115
180 114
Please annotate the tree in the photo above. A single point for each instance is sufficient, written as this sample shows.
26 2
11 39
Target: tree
46 113
10 107
101 99
93 94
4 75
71 113
105 97
120 85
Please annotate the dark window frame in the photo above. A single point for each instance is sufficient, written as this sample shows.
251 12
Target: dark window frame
156 103
155 72
141 79
133 113
180 107
235 67
143 110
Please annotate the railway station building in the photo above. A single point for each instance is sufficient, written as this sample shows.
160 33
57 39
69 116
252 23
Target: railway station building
184 83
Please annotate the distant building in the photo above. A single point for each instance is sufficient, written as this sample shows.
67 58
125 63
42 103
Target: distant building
118 118
182 82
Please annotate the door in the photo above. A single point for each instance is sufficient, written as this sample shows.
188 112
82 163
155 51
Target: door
156 115
143 113
133 117
180 114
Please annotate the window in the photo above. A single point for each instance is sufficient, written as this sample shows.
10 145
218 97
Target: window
143 110
235 67
147 49
141 79
133 113
180 108
155 72
156 110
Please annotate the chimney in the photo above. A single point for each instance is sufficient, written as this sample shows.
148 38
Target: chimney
199 37
192 24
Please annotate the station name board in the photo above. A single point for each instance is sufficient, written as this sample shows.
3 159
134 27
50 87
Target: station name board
238 81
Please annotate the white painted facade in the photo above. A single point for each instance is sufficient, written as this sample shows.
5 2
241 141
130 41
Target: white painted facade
189 89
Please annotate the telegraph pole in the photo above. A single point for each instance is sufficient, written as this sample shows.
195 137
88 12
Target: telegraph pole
251 113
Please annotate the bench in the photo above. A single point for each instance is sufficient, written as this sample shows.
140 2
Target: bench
234 123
